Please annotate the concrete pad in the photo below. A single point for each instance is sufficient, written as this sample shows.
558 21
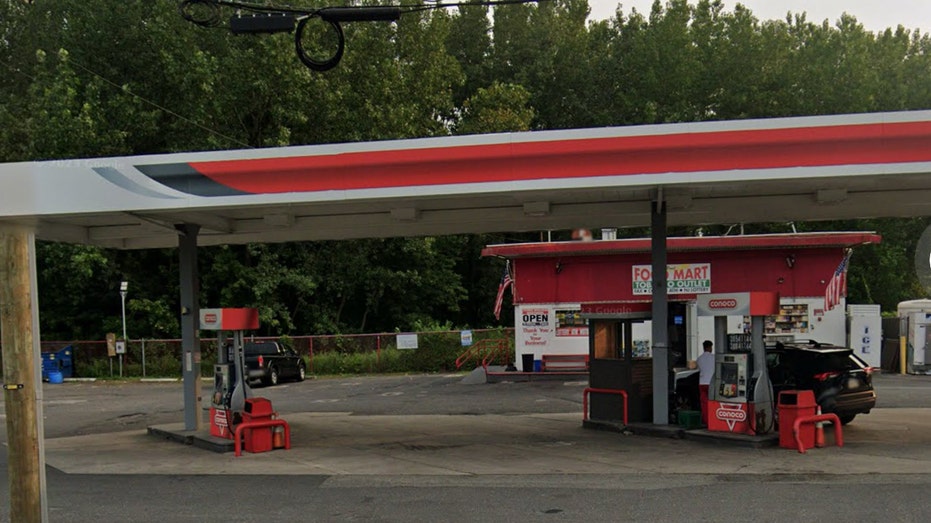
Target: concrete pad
476 377
343 444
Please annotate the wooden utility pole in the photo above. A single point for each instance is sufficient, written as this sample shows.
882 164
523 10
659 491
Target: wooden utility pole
18 316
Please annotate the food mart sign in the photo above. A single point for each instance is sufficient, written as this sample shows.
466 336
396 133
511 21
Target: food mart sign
683 278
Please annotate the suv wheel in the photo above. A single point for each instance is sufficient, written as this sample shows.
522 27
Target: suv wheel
846 418
301 372
272 375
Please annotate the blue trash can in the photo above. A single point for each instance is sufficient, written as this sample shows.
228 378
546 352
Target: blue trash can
538 365
58 360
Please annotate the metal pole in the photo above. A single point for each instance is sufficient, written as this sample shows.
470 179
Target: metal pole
143 358
125 340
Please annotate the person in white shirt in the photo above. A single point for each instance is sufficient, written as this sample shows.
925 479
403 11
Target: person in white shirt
705 371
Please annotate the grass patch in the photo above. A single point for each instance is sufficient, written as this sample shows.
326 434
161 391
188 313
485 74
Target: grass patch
391 360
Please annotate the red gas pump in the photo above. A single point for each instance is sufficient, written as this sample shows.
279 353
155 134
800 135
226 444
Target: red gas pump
230 386
740 396
234 413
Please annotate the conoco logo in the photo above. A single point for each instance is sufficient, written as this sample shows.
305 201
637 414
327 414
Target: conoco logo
731 415
723 304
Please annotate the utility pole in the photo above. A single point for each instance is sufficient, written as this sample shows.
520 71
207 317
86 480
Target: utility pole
22 391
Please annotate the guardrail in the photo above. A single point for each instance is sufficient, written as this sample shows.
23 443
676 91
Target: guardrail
237 436
480 350
589 390
802 420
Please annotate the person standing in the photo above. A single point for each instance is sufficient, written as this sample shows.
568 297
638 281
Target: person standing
705 371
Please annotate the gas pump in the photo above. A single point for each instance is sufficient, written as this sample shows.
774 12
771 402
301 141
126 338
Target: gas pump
732 373
740 398
230 388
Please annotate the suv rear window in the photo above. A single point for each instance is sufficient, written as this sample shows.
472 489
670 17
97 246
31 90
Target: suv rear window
832 361
816 362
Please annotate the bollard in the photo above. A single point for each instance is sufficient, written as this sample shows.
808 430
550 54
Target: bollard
819 431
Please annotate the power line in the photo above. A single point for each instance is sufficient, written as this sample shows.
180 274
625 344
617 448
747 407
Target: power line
253 18
138 97
160 107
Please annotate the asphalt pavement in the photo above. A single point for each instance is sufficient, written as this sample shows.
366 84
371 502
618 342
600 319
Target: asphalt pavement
428 448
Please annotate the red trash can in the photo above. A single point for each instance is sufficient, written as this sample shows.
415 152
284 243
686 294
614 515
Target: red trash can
792 405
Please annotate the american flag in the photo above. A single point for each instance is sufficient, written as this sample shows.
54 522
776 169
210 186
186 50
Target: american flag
506 281
837 287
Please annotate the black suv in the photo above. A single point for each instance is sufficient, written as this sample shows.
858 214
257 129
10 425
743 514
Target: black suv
842 382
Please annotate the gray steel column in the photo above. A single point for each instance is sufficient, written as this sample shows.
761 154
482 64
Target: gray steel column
660 315
190 334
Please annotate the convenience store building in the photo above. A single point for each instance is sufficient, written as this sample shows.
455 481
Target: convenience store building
557 285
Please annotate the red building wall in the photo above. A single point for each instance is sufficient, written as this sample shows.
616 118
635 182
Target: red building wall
582 279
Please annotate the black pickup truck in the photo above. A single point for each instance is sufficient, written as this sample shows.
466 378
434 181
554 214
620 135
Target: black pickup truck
270 362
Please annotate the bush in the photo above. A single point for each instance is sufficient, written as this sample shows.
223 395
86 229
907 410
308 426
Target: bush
163 366
99 368
342 363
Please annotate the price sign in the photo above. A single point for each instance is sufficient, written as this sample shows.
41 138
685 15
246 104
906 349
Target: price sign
111 344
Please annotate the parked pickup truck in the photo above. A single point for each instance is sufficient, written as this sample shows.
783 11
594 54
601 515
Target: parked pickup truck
270 362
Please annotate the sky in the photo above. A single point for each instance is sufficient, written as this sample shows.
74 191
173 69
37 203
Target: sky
875 15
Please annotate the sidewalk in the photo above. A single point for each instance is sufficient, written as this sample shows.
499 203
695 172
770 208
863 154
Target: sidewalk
887 441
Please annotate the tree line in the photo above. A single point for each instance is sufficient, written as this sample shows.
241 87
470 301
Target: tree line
96 78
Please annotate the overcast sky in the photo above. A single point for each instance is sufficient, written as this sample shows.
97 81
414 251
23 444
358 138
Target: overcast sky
875 15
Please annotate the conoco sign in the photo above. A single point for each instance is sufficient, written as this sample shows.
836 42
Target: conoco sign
731 414
229 319
738 304
723 304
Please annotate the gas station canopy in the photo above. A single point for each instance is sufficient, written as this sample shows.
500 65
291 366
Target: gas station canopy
811 168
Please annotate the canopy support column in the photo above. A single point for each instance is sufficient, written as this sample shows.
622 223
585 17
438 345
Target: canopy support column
190 335
660 314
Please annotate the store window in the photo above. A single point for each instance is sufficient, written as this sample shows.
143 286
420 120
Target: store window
613 340
792 319
606 346
569 322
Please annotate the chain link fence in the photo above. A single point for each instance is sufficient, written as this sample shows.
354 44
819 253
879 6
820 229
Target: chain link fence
324 354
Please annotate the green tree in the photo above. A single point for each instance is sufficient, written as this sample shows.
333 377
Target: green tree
499 108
